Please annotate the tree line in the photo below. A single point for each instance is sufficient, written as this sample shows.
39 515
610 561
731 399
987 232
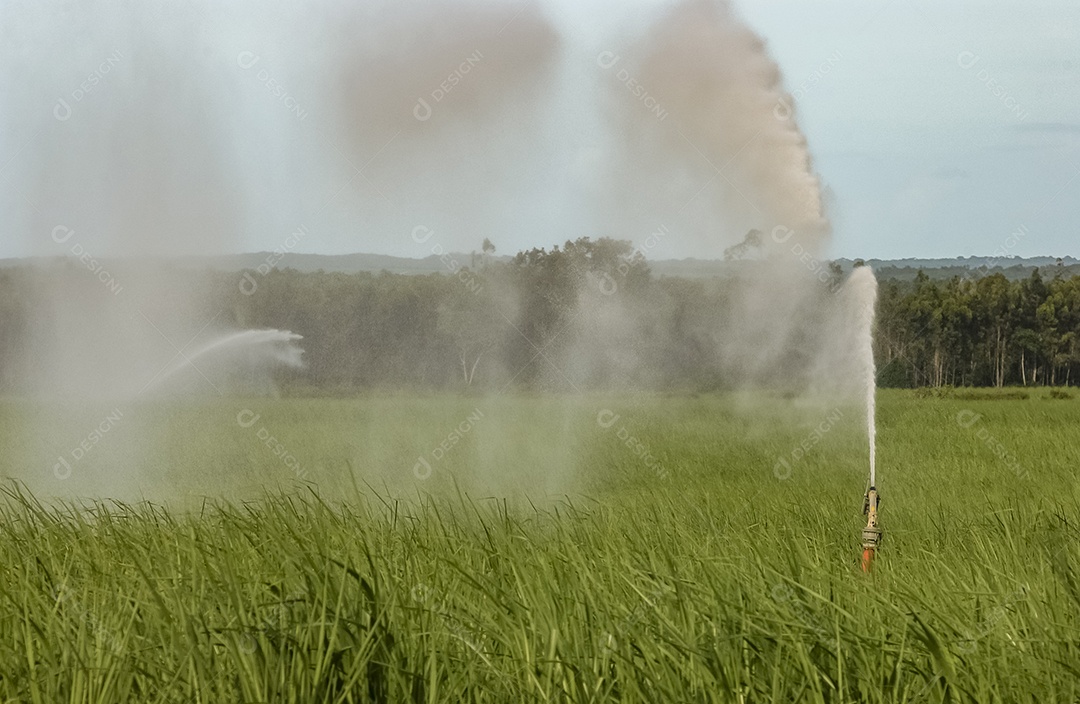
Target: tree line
985 331
590 315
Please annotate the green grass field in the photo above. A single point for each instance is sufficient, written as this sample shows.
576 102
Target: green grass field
552 552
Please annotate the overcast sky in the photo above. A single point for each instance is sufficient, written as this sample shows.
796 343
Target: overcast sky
926 157
939 129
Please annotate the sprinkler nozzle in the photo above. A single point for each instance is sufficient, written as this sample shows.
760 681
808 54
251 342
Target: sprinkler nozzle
871 534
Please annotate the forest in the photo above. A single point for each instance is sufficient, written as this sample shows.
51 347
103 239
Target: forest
986 331
585 316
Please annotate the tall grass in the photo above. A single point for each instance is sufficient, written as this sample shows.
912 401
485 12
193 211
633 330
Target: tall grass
717 582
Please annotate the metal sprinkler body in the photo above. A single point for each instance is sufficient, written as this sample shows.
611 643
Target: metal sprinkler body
871 534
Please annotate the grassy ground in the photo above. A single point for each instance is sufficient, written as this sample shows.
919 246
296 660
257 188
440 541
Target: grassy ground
691 549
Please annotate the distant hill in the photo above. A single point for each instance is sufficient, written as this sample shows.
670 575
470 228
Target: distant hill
902 269
1012 267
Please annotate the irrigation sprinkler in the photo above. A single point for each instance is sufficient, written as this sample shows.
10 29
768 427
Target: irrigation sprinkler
871 534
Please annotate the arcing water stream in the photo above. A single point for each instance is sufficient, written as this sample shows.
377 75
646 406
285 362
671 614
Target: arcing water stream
258 349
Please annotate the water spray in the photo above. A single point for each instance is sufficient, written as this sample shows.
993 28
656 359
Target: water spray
254 350
863 286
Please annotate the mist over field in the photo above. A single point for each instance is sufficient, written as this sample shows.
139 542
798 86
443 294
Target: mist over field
442 123
585 407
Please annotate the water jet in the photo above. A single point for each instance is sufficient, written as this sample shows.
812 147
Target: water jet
863 286
247 351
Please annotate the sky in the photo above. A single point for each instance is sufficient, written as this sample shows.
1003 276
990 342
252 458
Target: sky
938 129
944 128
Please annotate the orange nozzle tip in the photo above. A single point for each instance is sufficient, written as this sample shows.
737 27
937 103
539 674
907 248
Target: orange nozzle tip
867 559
